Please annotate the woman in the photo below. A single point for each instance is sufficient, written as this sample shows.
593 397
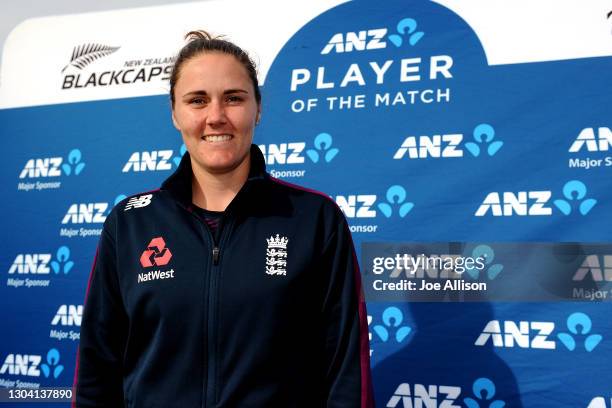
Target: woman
225 287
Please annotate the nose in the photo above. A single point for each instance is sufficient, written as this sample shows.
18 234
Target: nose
216 113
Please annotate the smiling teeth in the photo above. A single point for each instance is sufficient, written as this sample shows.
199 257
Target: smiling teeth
217 138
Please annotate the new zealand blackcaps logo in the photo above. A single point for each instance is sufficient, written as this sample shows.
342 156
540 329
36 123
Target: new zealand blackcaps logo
85 54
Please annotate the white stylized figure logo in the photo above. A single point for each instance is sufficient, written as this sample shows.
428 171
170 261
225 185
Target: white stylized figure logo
276 255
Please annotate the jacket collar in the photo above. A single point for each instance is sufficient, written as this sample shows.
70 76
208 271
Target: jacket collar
179 183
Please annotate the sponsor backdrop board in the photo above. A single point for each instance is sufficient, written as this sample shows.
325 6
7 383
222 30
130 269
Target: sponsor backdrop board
468 143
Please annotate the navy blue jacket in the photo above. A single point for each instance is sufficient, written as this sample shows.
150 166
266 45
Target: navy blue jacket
268 314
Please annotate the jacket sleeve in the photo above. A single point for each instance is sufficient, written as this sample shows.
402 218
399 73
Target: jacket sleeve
347 349
98 372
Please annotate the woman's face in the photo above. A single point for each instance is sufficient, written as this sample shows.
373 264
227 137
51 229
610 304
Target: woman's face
215 110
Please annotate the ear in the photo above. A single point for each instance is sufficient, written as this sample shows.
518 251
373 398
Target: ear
258 116
174 122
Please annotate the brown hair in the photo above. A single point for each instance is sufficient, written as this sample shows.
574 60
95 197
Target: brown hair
200 42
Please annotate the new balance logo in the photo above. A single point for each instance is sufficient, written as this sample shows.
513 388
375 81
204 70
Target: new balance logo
138 202
156 254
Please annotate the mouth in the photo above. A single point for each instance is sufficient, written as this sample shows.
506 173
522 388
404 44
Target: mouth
217 138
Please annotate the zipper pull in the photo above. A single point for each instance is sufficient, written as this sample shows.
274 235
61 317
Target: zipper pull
215 254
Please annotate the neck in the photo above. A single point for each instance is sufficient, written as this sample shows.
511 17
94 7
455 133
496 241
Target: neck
214 191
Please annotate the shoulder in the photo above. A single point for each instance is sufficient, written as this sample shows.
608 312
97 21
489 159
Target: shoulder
310 201
136 204
138 200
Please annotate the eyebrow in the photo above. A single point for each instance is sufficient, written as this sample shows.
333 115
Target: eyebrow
226 92
609 14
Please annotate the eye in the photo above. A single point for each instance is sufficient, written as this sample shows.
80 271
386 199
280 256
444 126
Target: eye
197 101
234 98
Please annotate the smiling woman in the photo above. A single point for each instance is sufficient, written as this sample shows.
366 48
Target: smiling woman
215 105
225 287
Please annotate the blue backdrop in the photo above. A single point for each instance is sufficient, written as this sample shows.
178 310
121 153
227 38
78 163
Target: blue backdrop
395 113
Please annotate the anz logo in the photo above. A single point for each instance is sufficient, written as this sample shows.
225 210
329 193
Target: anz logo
42 264
283 153
357 206
600 402
419 395
21 364
54 166
538 335
368 205
68 315
536 203
30 365
322 151
450 145
445 396
155 160
86 213
591 141
374 39
598 266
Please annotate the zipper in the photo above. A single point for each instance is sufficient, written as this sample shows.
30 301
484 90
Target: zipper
215 255
209 361
209 386
213 307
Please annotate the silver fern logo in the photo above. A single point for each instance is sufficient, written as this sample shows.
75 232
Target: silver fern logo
85 54
276 255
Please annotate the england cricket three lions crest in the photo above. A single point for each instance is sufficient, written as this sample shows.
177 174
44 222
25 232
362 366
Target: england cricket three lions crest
276 255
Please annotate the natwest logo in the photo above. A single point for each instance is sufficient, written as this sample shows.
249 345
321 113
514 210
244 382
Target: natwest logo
156 254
